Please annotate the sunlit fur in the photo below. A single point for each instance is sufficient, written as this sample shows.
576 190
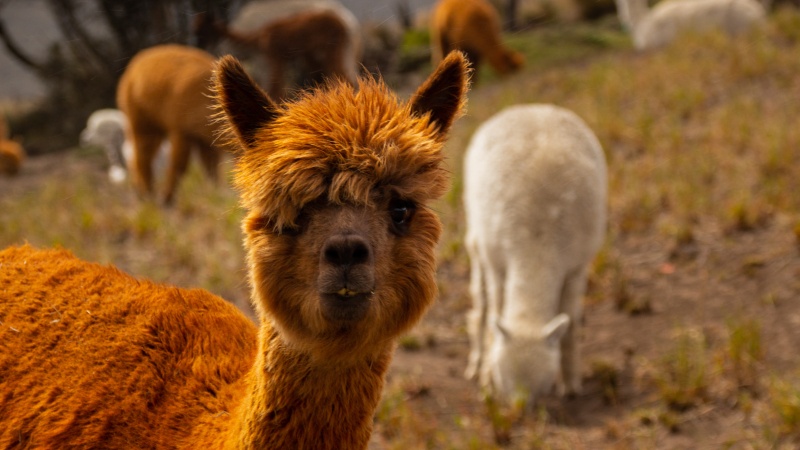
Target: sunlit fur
165 92
11 152
91 357
472 26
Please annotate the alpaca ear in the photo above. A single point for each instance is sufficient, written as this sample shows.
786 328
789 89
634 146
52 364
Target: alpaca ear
556 329
443 94
244 104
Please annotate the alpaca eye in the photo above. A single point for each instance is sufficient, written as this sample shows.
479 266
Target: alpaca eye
400 212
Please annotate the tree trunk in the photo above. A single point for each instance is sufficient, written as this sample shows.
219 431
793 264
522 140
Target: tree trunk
511 15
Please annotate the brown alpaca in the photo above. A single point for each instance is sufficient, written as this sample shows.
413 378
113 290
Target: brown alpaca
166 94
472 26
341 250
314 41
11 153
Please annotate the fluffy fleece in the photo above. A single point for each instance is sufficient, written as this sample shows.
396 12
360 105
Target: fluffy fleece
535 199
472 26
165 92
341 261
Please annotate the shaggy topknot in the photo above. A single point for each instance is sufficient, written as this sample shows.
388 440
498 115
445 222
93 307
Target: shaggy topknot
369 143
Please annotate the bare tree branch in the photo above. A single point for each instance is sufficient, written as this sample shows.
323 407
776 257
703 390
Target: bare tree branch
511 14
81 40
17 51
117 22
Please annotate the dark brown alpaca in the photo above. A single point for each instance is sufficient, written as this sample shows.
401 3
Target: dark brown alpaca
312 42
341 247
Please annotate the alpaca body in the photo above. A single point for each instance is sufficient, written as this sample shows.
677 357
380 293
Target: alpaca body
535 199
187 373
165 93
669 19
106 128
11 157
472 26
341 262
310 39
11 153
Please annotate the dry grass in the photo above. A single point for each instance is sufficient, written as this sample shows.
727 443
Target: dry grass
195 244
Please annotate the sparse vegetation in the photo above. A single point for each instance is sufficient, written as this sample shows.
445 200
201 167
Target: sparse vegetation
683 376
745 352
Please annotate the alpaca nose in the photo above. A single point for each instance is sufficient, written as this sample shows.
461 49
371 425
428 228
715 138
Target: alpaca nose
346 250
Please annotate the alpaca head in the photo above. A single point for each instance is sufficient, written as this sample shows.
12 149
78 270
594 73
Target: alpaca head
523 367
511 61
337 186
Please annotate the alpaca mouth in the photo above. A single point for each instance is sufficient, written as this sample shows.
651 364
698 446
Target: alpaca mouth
345 305
347 293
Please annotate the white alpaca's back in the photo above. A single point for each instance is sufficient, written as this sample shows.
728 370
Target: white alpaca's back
669 19
535 197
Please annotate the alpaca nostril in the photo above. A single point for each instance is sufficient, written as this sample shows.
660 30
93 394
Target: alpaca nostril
346 250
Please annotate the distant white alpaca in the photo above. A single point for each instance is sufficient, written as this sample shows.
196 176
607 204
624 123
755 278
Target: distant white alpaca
668 19
535 198
105 128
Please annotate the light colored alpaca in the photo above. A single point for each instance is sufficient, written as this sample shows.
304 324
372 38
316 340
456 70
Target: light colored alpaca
657 27
341 246
165 93
535 199
324 33
106 128
472 26
11 152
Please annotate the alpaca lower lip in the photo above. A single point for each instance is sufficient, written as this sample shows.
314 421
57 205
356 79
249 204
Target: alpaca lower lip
347 293
340 308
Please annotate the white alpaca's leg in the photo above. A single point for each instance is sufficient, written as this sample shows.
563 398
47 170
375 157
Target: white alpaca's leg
476 318
572 305
493 279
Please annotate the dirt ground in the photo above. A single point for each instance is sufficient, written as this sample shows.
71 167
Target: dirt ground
747 275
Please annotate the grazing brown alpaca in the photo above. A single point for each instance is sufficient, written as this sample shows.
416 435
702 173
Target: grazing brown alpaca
472 26
314 41
11 153
166 94
341 251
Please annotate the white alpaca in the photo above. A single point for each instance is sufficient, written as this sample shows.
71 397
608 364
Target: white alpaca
535 198
106 129
657 27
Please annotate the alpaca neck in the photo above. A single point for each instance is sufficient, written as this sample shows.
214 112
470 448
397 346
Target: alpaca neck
631 13
294 401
